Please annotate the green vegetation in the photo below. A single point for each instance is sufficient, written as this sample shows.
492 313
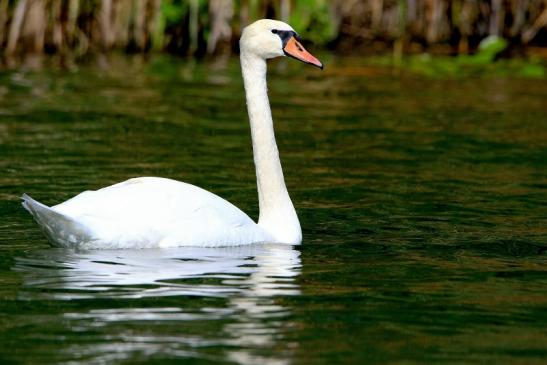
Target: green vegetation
479 64
462 66
74 29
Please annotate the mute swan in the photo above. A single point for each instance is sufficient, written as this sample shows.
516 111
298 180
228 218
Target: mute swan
157 212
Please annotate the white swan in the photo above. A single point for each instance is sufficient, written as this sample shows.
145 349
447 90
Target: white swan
156 212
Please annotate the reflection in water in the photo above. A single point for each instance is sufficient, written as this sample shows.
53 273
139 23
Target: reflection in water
423 201
235 287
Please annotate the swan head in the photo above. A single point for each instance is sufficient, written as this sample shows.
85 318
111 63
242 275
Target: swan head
267 38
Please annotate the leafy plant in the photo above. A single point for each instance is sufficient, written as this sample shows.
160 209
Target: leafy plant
314 17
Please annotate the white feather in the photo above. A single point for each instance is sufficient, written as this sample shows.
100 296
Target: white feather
155 212
146 212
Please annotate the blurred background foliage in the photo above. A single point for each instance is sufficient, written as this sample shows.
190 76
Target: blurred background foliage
74 30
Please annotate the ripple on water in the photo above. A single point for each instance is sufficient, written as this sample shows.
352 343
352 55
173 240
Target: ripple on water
422 203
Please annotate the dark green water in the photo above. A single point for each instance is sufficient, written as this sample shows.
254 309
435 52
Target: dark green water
423 204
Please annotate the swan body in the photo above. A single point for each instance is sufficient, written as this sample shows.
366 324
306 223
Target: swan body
148 212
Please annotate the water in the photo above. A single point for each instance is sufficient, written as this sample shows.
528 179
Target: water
423 204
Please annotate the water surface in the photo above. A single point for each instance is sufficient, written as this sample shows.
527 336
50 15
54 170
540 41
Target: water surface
423 204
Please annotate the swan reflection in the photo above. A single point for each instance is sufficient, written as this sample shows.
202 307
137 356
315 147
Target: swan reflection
230 289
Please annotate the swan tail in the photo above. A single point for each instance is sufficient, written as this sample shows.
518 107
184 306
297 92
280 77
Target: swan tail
61 230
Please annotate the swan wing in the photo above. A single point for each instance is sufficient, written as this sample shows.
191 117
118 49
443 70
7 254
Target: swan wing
157 212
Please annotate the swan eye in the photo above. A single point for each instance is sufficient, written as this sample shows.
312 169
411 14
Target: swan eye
274 31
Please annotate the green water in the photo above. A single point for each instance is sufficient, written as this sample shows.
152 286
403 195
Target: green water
423 204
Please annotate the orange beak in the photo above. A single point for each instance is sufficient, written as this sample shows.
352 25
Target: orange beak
294 49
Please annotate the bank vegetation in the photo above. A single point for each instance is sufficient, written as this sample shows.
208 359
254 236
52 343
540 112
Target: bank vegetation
75 29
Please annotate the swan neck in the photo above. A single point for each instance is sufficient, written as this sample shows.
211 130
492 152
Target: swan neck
277 214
